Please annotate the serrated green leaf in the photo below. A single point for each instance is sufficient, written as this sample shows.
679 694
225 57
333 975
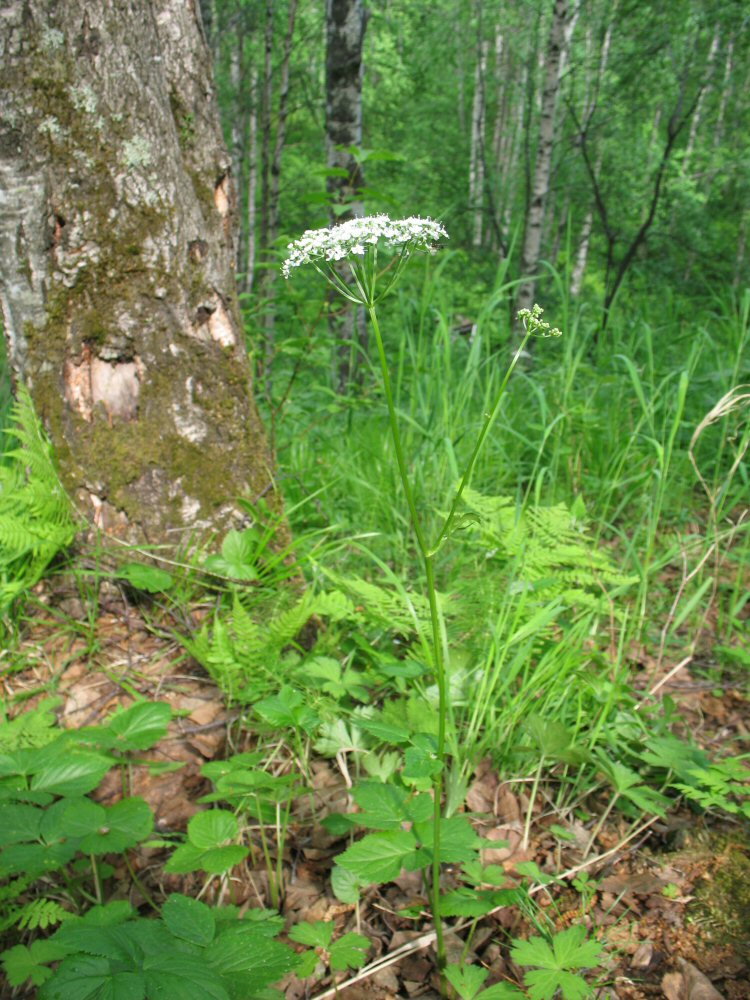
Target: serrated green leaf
288 709
125 824
346 885
501 991
35 858
20 823
245 947
349 952
216 860
458 839
83 977
543 984
81 817
387 807
466 980
140 726
379 857
573 949
22 963
212 828
534 951
182 977
72 772
189 919
384 732
149 578
314 935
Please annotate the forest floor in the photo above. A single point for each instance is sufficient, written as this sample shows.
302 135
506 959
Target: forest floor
669 898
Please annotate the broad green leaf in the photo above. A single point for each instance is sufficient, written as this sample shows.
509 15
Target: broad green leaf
125 824
534 951
182 977
140 726
245 947
74 772
349 952
346 885
475 903
22 963
466 980
83 977
407 669
458 839
544 984
238 556
387 807
30 859
149 578
215 860
501 991
189 919
317 935
212 828
20 823
287 709
573 949
82 817
384 732
379 857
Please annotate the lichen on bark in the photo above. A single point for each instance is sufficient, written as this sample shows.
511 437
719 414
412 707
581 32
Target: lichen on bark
116 274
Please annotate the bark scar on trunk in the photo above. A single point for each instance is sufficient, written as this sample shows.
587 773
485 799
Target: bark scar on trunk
90 381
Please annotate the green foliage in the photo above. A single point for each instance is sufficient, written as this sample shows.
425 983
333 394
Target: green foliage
211 845
467 981
36 516
347 952
549 551
191 950
49 821
554 958
243 654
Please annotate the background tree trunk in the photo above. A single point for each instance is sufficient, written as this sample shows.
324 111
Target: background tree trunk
345 34
532 240
116 264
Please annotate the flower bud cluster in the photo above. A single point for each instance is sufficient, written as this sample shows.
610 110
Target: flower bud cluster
355 235
533 322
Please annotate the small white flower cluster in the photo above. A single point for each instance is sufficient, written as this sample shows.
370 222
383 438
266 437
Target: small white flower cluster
355 235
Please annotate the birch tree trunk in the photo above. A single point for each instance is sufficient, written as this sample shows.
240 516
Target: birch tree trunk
117 281
532 240
345 33
477 154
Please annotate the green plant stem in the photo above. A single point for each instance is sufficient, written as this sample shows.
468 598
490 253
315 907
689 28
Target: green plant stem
427 559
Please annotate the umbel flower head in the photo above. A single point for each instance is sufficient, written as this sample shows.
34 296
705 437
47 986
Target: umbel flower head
357 236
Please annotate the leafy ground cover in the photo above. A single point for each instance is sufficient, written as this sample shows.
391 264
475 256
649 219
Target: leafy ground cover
219 781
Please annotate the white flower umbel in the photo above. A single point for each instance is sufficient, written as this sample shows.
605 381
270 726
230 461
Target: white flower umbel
359 241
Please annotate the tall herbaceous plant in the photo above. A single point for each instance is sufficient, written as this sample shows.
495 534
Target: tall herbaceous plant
363 259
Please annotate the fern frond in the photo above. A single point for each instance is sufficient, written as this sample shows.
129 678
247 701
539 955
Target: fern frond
36 516
41 914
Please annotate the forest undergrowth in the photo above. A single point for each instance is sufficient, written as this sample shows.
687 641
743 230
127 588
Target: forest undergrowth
592 609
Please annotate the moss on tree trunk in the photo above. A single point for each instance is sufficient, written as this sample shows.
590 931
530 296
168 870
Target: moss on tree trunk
116 264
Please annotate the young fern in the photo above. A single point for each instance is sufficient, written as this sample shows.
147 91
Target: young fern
550 549
36 516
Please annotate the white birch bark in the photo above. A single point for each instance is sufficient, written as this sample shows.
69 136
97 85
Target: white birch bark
531 250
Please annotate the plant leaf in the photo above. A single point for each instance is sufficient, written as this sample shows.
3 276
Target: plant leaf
212 828
140 726
349 952
189 919
379 857
314 935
